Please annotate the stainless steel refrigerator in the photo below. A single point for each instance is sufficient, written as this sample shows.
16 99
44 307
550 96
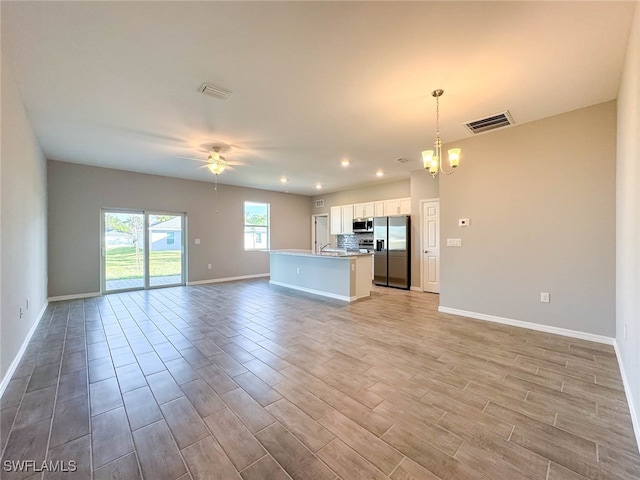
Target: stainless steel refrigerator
392 252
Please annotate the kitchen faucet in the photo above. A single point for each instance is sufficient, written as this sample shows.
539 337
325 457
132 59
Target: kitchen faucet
324 246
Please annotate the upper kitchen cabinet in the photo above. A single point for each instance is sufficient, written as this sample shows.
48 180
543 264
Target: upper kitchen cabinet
398 206
347 219
363 210
378 209
405 206
341 219
336 220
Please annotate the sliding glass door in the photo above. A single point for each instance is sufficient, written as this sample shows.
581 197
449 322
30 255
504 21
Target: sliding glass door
142 250
165 233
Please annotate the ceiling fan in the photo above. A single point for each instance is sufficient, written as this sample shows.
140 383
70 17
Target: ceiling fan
215 162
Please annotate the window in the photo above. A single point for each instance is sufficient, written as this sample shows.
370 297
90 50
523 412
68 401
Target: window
256 226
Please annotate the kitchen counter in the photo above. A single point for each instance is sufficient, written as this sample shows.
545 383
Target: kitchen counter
335 274
326 253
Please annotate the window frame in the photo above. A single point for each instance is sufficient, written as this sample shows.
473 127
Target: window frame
246 226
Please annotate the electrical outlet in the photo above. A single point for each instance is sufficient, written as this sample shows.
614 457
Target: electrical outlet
545 297
463 222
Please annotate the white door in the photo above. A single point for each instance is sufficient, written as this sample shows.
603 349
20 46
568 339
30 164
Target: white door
320 232
431 246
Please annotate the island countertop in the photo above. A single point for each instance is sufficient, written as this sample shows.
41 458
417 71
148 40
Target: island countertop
325 254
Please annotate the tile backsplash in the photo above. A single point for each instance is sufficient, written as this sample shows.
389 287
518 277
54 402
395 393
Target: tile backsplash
350 241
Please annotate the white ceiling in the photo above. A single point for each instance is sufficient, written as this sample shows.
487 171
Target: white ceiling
115 84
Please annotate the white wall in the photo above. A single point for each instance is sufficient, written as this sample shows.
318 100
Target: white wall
23 219
78 192
628 221
541 202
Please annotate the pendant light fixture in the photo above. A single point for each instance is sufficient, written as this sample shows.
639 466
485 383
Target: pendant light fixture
217 163
432 159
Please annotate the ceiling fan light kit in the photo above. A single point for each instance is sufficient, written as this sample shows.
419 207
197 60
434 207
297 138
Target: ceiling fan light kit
432 159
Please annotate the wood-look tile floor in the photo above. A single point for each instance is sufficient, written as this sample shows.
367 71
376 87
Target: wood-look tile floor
246 380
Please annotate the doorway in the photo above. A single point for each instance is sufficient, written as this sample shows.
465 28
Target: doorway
319 231
142 250
430 262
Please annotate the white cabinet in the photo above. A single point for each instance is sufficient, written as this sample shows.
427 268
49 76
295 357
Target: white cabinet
342 215
336 220
347 218
363 210
391 207
341 219
398 206
405 206
378 209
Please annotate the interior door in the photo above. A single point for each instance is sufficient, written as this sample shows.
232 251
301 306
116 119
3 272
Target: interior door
431 246
320 232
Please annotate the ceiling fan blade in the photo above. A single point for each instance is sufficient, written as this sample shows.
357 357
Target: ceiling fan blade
195 159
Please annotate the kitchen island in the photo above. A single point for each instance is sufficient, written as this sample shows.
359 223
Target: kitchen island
341 275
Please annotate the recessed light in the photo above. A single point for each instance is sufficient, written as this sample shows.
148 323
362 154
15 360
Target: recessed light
284 179
379 173
345 162
318 186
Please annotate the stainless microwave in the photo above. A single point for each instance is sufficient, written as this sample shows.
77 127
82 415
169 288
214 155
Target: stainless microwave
362 225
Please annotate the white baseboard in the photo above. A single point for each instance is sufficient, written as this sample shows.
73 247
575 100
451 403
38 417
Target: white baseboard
228 279
74 296
627 390
531 326
16 361
415 289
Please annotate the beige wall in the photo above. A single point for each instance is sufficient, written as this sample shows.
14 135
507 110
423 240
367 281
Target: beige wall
541 202
628 221
23 219
77 193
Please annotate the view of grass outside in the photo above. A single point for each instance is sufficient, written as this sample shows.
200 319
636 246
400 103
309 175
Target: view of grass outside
121 263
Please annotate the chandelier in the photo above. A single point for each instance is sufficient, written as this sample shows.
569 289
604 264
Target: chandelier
432 159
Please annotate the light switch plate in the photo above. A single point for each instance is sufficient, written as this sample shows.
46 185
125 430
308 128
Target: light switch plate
454 242
197 241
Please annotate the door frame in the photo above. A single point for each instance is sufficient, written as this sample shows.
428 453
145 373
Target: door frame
314 219
146 238
423 269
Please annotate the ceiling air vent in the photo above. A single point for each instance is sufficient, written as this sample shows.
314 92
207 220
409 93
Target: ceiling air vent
498 120
214 91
